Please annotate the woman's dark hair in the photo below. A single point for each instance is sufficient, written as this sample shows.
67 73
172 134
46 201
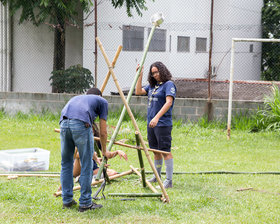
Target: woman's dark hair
164 73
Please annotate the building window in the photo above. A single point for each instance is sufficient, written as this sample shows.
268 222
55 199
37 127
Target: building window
201 44
183 44
158 42
133 38
251 49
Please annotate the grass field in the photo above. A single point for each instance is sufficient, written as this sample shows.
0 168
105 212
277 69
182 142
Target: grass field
195 198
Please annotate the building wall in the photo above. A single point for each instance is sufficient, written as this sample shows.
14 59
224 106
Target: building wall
32 47
237 19
231 19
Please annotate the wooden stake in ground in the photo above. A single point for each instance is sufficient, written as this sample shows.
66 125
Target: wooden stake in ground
140 159
133 120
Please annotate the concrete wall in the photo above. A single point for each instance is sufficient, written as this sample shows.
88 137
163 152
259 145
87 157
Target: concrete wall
184 109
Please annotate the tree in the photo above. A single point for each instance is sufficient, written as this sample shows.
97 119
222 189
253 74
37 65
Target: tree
58 13
139 5
271 51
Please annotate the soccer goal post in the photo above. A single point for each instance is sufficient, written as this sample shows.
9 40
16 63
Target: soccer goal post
233 46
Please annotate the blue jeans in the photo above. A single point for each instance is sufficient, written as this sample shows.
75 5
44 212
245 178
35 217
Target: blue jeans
74 133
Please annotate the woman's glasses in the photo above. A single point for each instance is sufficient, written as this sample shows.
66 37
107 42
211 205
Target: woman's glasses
153 73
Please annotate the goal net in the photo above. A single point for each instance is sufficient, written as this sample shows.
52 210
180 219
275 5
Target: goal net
252 62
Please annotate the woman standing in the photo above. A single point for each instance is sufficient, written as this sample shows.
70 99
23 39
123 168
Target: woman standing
161 93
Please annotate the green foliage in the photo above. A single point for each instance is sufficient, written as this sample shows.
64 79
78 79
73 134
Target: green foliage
56 11
243 121
53 11
269 117
139 5
177 123
270 51
203 122
75 79
2 113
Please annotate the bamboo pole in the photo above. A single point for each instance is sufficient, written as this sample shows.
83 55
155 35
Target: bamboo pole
132 86
135 194
113 65
224 172
230 89
140 159
28 172
156 23
134 147
96 149
29 175
147 182
58 193
125 145
126 106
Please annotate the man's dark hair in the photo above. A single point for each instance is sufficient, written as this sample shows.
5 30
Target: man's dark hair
94 91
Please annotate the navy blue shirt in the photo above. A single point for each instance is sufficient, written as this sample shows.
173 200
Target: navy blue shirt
157 98
85 108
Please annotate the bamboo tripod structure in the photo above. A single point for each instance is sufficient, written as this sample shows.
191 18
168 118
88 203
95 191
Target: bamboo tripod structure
127 108
59 193
133 170
123 144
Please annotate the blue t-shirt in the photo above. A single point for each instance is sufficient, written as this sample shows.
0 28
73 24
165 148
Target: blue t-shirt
85 108
157 98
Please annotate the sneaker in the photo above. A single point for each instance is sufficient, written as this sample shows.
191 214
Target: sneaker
90 207
69 205
153 179
166 184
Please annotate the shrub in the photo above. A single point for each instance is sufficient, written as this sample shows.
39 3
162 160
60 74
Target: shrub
244 120
75 79
268 118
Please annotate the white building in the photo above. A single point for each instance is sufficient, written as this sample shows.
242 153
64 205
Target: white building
181 42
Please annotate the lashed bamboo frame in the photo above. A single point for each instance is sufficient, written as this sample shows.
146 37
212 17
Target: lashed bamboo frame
59 193
109 72
124 145
126 106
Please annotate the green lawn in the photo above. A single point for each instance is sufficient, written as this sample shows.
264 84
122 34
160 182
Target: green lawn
195 198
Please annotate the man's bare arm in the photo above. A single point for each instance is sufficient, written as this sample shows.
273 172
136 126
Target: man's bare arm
103 136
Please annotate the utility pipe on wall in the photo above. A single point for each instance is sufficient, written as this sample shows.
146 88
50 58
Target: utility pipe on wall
95 43
2 47
9 50
209 102
210 51
5 49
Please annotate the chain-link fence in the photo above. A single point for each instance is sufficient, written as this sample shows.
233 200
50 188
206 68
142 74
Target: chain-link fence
194 42
253 78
